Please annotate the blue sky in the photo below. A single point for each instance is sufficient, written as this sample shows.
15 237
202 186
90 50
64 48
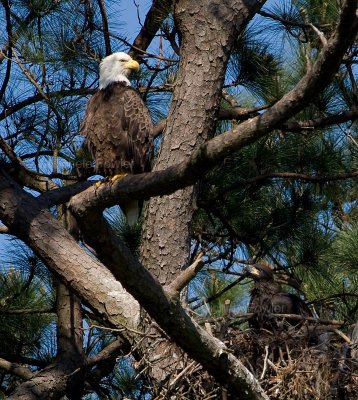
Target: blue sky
128 15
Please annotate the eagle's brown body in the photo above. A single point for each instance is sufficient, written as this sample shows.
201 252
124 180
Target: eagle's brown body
118 127
267 299
118 131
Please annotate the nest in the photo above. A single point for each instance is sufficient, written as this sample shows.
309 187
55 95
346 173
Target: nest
304 362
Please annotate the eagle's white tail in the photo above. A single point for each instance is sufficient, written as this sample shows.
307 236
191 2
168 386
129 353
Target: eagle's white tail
131 211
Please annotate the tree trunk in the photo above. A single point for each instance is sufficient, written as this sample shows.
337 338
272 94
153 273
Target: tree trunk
207 32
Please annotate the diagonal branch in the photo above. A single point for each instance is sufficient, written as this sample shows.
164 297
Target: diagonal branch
17 369
240 113
154 19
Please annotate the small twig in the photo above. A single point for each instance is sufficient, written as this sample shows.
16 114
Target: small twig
319 34
342 335
265 362
125 328
6 148
271 364
144 54
30 77
282 358
218 294
176 379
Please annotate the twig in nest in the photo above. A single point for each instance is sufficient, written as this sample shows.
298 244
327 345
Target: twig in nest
342 335
265 362
185 370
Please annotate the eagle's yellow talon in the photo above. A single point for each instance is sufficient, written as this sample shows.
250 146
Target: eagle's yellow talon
98 184
118 177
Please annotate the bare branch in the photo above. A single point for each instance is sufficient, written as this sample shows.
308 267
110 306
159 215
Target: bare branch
186 276
283 21
215 296
296 317
319 34
6 5
107 40
112 350
301 177
38 97
155 17
17 369
27 311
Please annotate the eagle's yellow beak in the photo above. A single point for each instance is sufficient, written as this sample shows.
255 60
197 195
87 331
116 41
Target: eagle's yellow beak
255 271
132 64
252 270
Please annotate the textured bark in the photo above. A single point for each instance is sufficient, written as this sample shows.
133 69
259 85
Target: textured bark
88 278
164 306
208 31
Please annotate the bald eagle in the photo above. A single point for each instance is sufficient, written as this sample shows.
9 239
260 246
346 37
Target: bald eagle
118 127
267 299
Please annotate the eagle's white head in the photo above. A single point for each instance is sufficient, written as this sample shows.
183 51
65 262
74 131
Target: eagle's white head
116 68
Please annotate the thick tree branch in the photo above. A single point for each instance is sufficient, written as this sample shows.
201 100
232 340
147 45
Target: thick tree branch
319 123
241 114
88 279
19 359
165 308
92 282
28 220
23 174
16 369
110 351
56 379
